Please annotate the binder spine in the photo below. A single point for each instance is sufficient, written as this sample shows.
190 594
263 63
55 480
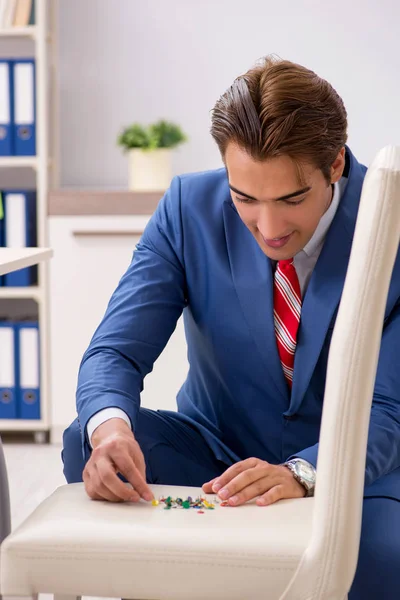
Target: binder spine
8 370
29 370
24 107
6 107
20 228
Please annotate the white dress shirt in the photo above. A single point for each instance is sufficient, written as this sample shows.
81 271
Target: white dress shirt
304 262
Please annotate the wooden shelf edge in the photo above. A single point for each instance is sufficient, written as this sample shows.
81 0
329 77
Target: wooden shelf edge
97 202
22 425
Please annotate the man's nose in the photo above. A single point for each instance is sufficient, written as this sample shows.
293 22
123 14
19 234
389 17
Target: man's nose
270 224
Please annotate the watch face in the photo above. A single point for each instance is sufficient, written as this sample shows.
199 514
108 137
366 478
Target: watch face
305 471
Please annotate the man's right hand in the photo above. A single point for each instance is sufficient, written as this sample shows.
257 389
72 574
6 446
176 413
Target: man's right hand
115 450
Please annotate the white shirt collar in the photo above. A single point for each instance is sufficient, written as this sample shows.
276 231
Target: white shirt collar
325 222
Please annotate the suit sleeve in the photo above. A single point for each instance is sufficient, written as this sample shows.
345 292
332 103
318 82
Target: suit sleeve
383 450
139 320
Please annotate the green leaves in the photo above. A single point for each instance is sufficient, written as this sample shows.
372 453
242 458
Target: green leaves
166 135
134 136
162 134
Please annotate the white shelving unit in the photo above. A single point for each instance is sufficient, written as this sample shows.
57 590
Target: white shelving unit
43 37
11 260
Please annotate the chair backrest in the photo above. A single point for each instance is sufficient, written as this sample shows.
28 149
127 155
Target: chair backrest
328 566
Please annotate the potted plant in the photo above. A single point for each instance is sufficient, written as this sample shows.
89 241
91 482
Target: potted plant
150 150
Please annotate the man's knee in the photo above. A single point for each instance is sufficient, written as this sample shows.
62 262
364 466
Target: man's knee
72 454
380 552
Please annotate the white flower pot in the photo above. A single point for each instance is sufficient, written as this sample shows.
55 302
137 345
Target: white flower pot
149 170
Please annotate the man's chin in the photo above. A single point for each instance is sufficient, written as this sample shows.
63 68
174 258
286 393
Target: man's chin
283 253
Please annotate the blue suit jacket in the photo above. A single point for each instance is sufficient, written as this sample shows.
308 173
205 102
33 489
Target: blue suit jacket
197 256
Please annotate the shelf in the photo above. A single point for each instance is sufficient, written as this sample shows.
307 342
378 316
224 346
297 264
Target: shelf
29 31
19 161
21 292
22 425
78 202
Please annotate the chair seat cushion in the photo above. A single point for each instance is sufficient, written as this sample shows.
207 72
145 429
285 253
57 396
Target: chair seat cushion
73 545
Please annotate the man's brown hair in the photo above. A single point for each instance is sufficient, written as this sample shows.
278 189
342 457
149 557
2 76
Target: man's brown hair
281 108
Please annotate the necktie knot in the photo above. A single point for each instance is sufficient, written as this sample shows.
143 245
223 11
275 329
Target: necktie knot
284 264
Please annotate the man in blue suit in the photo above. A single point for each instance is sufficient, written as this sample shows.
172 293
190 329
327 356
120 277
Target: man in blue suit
255 256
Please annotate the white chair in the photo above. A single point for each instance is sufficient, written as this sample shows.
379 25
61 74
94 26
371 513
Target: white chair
294 550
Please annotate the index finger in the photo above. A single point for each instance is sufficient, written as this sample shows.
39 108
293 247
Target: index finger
208 485
126 466
106 483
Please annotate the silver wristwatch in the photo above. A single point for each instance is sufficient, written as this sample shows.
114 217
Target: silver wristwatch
304 473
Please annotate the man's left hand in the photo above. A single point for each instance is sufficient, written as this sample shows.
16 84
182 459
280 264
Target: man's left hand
255 478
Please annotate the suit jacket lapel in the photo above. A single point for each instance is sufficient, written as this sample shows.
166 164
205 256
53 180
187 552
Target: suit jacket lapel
253 280
325 287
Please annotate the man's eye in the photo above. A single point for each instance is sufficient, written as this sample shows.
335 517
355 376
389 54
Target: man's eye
294 202
250 201
244 200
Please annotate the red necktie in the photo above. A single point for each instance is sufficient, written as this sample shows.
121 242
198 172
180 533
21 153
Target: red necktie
287 309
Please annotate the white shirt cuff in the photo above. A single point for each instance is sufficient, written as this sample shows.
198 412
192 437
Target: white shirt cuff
102 416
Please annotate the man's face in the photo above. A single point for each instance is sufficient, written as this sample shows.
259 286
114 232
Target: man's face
282 226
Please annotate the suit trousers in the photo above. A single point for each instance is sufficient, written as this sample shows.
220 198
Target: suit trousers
177 454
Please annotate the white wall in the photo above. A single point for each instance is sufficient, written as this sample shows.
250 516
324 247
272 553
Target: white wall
128 60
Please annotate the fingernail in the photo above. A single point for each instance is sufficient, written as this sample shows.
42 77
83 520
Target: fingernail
234 500
223 494
262 502
148 496
216 487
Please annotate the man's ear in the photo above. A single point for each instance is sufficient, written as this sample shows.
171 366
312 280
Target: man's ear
338 165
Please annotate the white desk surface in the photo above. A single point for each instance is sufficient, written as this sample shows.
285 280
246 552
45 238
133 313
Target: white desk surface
12 259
